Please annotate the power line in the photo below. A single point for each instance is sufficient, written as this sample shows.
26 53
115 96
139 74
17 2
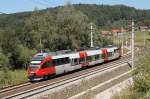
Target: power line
46 1
38 2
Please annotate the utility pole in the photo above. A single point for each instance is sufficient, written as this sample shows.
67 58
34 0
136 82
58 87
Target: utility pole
92 35
41 46
144 39
132 45
122 33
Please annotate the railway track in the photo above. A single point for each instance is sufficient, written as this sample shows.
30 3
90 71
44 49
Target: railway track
26 88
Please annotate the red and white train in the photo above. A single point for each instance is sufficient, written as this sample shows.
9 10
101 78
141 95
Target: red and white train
44 65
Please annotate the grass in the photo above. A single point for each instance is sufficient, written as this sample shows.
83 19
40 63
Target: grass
12 77
141 87
125 50
18 76
139 38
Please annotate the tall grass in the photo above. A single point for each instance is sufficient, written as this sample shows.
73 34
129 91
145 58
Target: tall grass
12 77
141 87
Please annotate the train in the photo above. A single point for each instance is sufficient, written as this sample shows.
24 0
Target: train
48 64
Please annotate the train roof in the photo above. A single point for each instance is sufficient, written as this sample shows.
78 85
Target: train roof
70 53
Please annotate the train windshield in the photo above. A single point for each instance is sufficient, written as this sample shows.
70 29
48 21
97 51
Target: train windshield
37 58
35 64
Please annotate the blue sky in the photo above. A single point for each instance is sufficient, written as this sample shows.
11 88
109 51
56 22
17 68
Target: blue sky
13 6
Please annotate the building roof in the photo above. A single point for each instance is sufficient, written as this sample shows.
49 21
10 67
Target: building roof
116 31
105 32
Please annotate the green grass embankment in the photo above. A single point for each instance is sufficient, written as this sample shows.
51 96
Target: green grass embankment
12 77
141 87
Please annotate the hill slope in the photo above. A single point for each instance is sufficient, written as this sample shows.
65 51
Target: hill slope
101 15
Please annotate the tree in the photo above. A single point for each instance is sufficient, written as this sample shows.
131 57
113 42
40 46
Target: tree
4 61
8 40
4 65
39 30
22 56
72 28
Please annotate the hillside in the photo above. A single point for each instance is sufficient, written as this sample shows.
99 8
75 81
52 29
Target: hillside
64 27
101 15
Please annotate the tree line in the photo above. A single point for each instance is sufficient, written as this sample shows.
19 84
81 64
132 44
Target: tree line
68 29
64 27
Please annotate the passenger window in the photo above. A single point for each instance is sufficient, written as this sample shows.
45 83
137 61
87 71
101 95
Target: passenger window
100 56
110 53
76 61
96 57
47 64
54 62
82 60
61 61
93 58
103 56
66 60
89 58
58 62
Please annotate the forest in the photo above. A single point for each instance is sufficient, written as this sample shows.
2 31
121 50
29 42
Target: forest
64 27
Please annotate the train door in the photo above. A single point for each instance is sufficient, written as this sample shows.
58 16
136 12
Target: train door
117 53
75 63
110 53
104 55
82 60
66 63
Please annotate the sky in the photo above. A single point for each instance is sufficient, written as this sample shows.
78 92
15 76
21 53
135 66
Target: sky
13 6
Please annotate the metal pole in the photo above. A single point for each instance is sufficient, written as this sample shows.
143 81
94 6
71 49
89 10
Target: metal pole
92 35
144 39
132 44
122 40
41 45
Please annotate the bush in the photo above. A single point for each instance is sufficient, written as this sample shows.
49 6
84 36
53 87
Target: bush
5 77
22 56
142 72
141 87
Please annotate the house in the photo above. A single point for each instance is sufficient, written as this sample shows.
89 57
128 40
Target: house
105 33
143 28
116 32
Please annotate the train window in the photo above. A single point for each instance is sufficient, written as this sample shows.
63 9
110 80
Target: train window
110 53
82 60
93 58
58 62
61 61
66 60
47 64
54 62
89 59
100 56
104 56
115 51
76 61
96 57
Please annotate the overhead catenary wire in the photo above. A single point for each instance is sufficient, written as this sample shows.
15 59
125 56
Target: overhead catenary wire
40 3
48 2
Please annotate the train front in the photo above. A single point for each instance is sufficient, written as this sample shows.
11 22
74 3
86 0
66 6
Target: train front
34 67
